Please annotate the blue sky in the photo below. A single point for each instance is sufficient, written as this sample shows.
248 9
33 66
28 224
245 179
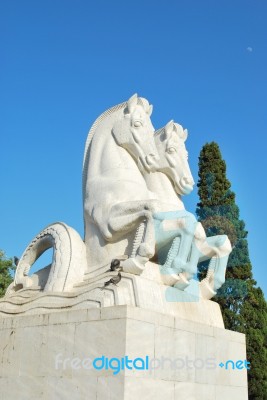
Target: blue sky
201 63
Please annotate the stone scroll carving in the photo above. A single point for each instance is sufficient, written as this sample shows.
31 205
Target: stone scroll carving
133 181
68 265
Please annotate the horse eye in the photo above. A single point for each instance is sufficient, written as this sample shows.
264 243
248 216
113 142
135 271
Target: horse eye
137 124
171 150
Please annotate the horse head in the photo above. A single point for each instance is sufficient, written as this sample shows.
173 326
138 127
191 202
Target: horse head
170 143
135 133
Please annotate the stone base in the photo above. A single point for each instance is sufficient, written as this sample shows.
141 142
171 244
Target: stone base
189 354
146 291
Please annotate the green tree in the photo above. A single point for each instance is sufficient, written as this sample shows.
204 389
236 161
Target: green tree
6 266
243 306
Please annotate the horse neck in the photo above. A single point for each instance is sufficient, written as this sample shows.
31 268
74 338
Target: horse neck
161 188
108 159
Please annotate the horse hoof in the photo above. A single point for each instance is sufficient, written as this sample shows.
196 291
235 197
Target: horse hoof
133 266
168 276
182 283
145 250
206 291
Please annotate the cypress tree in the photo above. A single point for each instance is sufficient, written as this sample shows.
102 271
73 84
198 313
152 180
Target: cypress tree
243 306
6 266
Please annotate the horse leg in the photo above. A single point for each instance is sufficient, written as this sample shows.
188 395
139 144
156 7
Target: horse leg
181 262
199 238
187 234
190 268
125 217
143 248
221 247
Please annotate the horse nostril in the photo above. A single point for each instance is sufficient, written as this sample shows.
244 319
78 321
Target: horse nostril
188 181
151 159
154 157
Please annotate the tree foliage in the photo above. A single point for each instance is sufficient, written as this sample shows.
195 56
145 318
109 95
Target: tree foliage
6 266
242 303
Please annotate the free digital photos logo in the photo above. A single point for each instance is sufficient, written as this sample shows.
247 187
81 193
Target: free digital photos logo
146 363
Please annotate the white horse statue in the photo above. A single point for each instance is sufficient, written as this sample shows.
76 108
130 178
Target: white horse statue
120 148
133 180
189 244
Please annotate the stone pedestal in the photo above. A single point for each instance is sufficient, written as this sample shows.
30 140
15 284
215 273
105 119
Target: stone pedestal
146 292
49 356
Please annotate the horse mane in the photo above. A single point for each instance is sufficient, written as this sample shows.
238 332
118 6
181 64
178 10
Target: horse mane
158 132
140 101
91 135
97 122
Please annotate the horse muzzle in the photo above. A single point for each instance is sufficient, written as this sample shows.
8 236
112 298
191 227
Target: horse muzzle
186 184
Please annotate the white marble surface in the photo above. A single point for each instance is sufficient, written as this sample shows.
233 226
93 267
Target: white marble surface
29 345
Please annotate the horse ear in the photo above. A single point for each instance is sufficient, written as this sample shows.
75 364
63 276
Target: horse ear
132 103
182 133
185 135
168 129
150 109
